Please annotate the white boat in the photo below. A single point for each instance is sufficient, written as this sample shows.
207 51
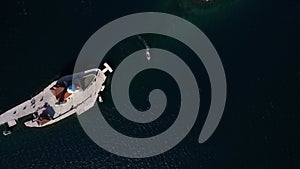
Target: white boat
68 95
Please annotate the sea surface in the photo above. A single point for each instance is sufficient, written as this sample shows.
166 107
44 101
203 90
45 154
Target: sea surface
257 41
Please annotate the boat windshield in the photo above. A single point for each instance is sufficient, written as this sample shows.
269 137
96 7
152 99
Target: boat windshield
86 81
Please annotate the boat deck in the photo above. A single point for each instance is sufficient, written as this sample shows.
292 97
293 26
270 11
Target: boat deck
30 106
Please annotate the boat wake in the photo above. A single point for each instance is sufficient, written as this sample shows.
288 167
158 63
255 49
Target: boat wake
148 55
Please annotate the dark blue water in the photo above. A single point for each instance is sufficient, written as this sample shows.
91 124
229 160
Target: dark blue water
258 43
